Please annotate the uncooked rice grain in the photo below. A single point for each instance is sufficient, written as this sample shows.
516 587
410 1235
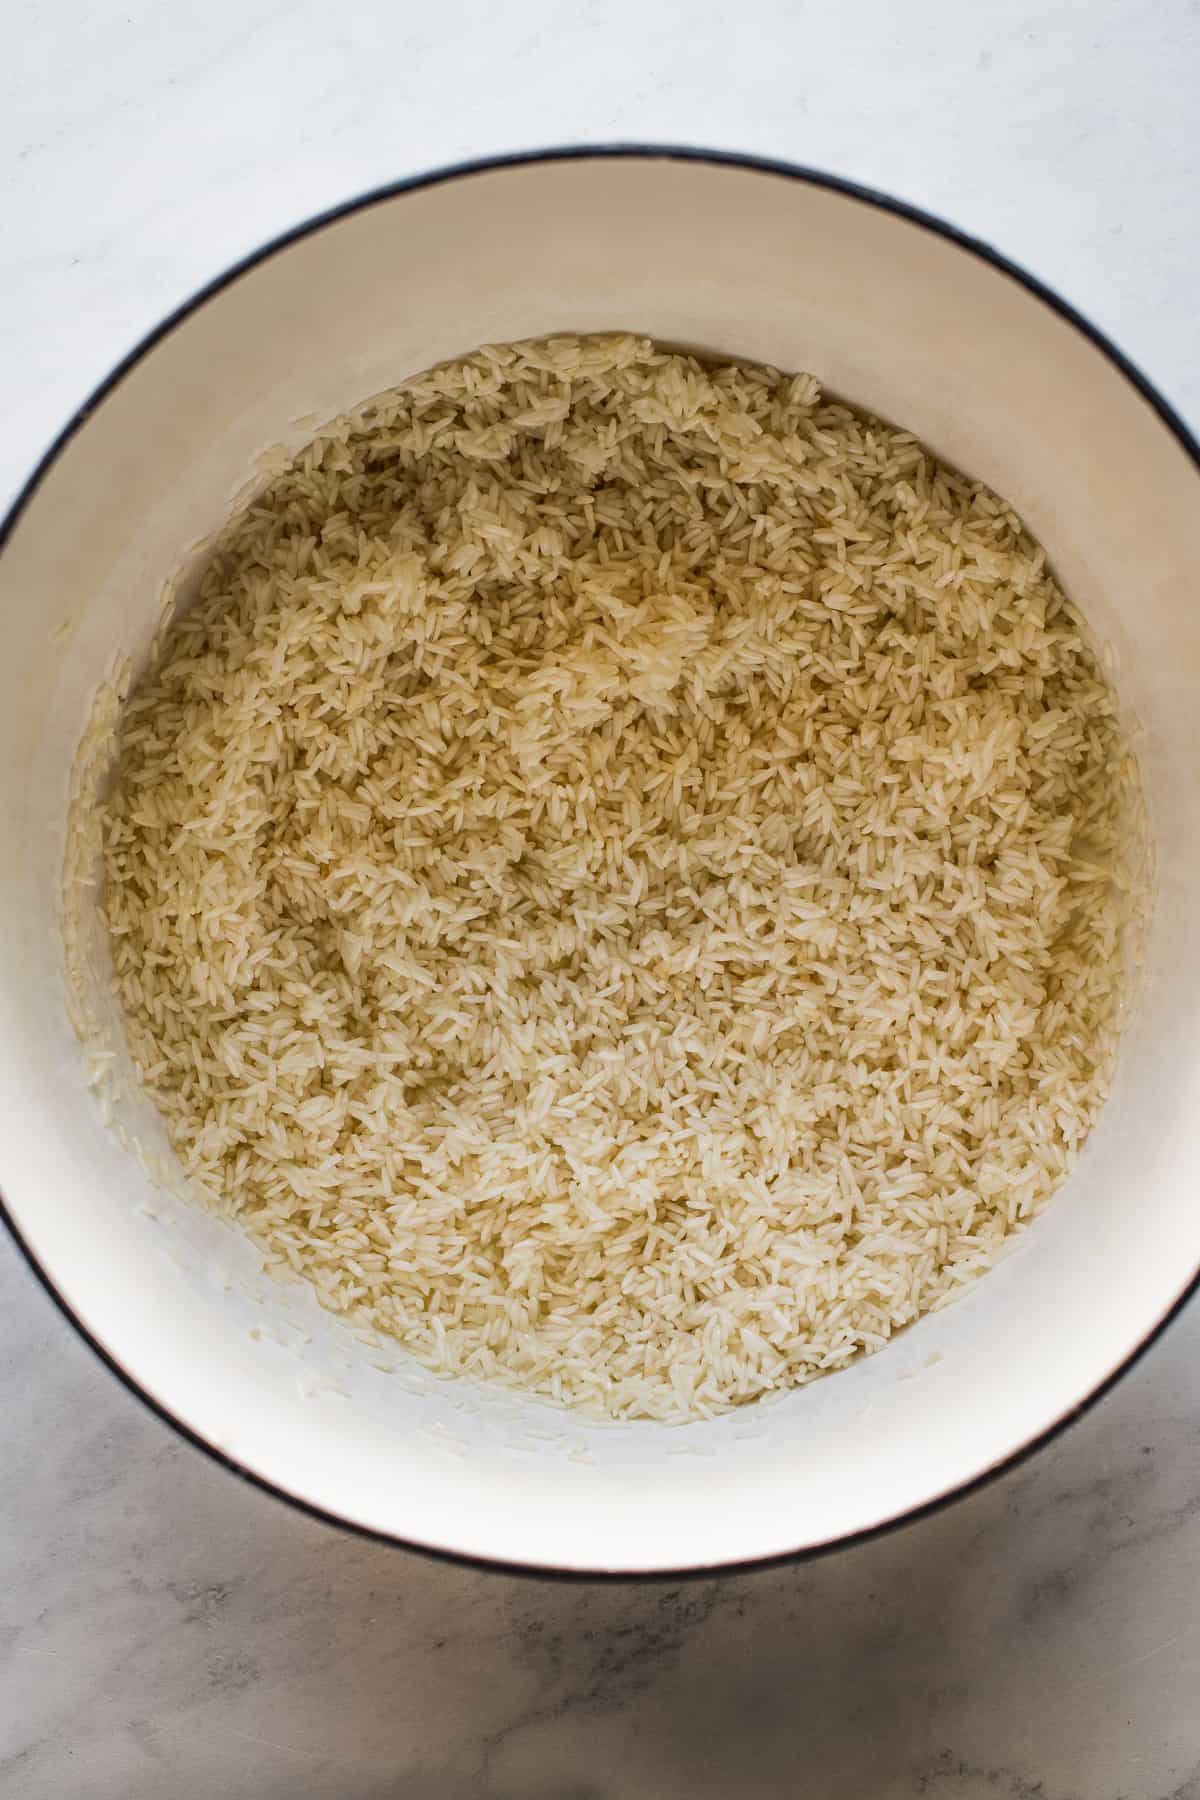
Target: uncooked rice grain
617 879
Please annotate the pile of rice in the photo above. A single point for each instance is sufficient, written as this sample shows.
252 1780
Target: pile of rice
615 878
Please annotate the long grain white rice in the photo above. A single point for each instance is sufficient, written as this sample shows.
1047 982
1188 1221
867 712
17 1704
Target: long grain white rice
617 879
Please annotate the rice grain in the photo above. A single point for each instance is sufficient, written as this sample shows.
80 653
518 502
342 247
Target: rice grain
618 879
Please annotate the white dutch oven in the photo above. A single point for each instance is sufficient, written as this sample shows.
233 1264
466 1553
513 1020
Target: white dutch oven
890 310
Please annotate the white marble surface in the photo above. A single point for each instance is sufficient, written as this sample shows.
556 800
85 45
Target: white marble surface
165 1631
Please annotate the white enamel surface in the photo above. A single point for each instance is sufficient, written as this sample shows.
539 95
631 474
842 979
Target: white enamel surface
892 316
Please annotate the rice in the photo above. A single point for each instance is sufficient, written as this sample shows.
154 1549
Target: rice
618 879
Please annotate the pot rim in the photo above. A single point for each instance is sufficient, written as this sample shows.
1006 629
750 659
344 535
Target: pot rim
779 169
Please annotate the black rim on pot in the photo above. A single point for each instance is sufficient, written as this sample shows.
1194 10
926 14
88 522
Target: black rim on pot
670 152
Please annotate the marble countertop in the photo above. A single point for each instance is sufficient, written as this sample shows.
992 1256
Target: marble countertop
166 1631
